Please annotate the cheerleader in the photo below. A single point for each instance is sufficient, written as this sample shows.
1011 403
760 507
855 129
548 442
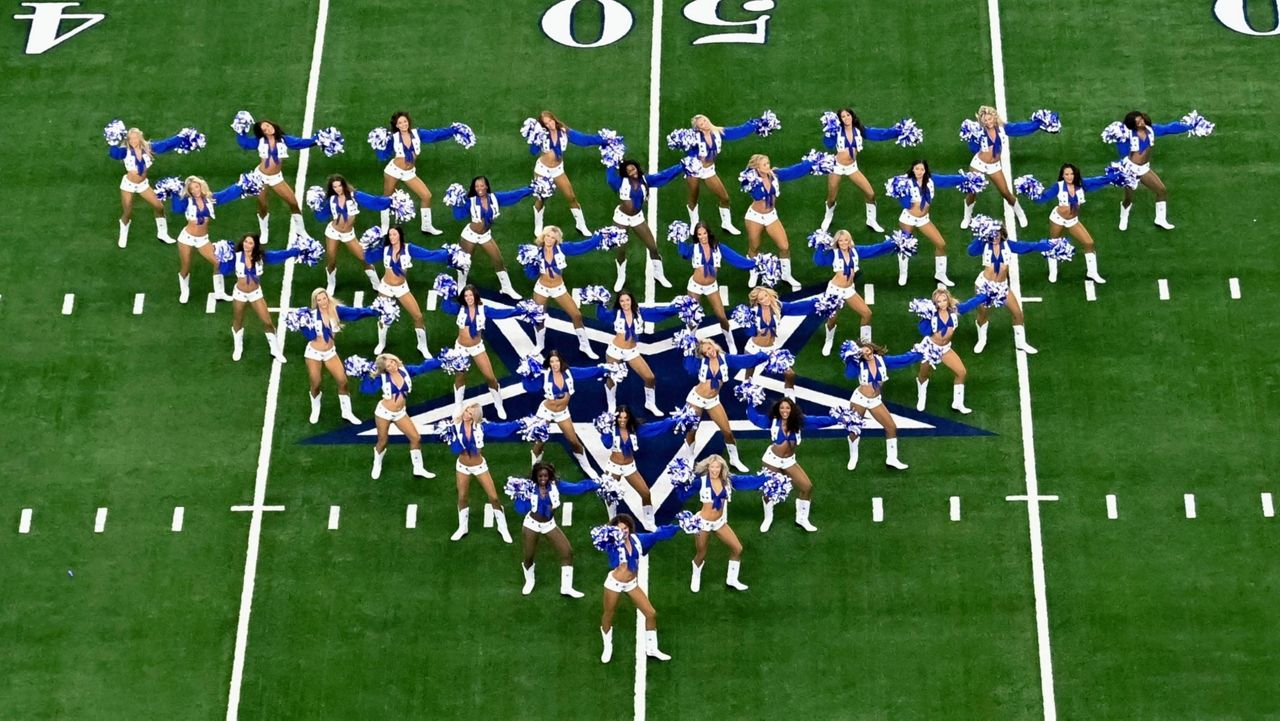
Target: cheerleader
843 133
915 192
339 206
548 138
866 361
545 261
400 148
712 368
247 263
764 185
632 186
705 253
1069 193
715 491
993 281
198 204
785 424
472 315
627 317
939 317
319 323
556 381
1134 139
273 146
620 433
394 380
987 139
466 436
479 209
138 155
701 146
763 313
397 256
625 547
844 257
538 506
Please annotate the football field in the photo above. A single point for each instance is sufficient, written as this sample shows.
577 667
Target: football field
1097 540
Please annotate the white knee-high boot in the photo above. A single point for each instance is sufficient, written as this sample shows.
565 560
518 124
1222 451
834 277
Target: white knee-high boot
968 215
695 580
539 339
382 339
384 220
500 523
829 340
1053 271
459 393
297 228
537 221
376 473
802 515
264 228
853 452
237 344
729 341
611 397
828 215
734 460
419 470
922 390
330 281
584 345
315 408
693 214
566 583
581 458
659 275
1162 215
1019 214
276 344
374 279
123 240
606 637
162 231
1091 268
1124 215
891 454
464 524
184 288
529 579
1020 340
427 226
505 287
864 332
220 287
981 345
651 401
651 646
767 521
940 270
622 275
786 274
731 578
871 219
726 222
580 222
957 399
344 408
495 395
902 270
421 334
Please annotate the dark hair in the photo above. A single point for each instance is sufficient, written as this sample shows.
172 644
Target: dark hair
540 466
622 169
617 305
336 178
471 192
395 117
876 348
462 295
624 519
257 247
632 423
857 122
711 236
1131 119
257 129
564 367
794 422
1079 181
911 171
399 229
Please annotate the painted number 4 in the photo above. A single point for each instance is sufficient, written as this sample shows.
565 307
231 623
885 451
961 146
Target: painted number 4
46 20
617 21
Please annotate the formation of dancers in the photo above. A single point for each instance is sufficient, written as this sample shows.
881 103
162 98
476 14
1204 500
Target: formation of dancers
712 367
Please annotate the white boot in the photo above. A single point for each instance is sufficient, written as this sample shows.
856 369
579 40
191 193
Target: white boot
495 395
162 231
767 522
659 275
419 470
734 461
237 344
500 522
695 581
1053 271
537 221
1162 215
264 228
651 646
828 215
611 397
968 216
566 583
581 458
459 394
534 458
124 234
529 579
374 279
864 332
726 222
315 408
330 281
786 274
382 339
1019 214
871 219
580 222
504 285
276 343
957 399
220 287
1124 215
802 515
646 513
922 390
428 228
376 473
421 335
384 221
622 275
1020 340
853 452
693 214
731 579
830 340
729 341
891 454
539 339
982 338
297 228
464 524
753 277
651 401
344 408
1091 268
940 270
584 345
607 638
902 270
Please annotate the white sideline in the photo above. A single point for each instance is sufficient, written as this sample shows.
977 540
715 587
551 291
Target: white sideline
1024 403
273 393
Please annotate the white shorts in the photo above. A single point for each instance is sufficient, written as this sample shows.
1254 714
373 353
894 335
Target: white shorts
382 412
476 470
772 459
243 297
765 219
983 167
698 401
849 169
844 293
335 234
942 349
553 292
267 180
622 354
621 471
622 220
858 399
1136 169
543 171
132 187
753 348
195 241
909 220
471 350
539 526
1059 220
699 289
393 291
471 236
614 584
552 416
399 173
713 526
704 171
319 355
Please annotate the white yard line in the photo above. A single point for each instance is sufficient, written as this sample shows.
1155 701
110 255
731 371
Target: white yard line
179 513
273 393
335 512
1189 504
24 522
100 521
1024 403
1162 286
411 516
955 508
869 294
68 303
877 510
138 301
1234 285
1268 506
1090 291
566 514
1112 511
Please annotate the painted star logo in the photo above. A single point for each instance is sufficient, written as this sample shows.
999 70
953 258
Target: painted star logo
509 340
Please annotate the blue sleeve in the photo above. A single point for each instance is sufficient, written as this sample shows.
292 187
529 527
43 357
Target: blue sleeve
800 307
498 313
879 134
649 540
1123 148
522 506
576 489
508 198
606 315
115 152
248 141
348 313
791 172
163 146
293 142
387 153
501 431
902 360
736 259
738 132
226 267
178 203
658 313
813 423
461 213
876 249
1022 247
652 429
578 247
691 365
612 178
666 175
275 257
450 306
228 194
925 328
324 214
584 139
947 181
748 482
970 304
417 252
1170 128
759 419
371 201
532 385
829 141
746 360
975 247
370 385
1095 182
435 135
586 373
1051 190
425 366
1020 128
974 146
374 255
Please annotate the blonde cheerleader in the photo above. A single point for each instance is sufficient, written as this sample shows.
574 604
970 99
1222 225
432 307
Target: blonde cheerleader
138 155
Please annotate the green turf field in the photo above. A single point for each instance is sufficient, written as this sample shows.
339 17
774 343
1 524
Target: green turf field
905 615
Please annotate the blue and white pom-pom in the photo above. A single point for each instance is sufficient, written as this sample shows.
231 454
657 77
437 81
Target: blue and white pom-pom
543 187
168 187
445 431
1060 249
613 149
372 238
909 134
458 258
1119 175
387 308
905 243
684 420
899 186
768 269
823 163
330 141
528 255
830 124
1115 133
315 198
531 313
1028 185
827 305
997 293
605 424
616 372
533 132
780 361
689 522
776 488
922 307
679 232
378 138
531 366
691 165
519 489
611 236
1047 120
973 182
243 123
463 135
984 227
445 286
249 184
358 366
609 490
454 360
1200 126
455 196
767 124
190 140
402 207
971 131
606 538
682 139
749 393
680 473
750 180
310 250
742 316
592 294
686 341
534 430
115 133
224 251
297 319
931 352
690 311
850 352
821 240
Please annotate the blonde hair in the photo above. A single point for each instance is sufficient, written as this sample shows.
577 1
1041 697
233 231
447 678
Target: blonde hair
549 232
693 122
756 160
702 343
703 468
200 182
476 417
986 111
874 347
941 293
146 144
767 297
841 235
330 315
380 363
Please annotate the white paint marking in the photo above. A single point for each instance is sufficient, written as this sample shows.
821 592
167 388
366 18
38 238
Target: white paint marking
1163 285
877 510
433 299
1090 291
1234 285
273 397
100 521
1032 299
68 303
869 294
1024 499
955 508
256 509
566 514
334 512
178 514
1268 506
1112 511
411 516
24 523
210 304
138 301
357 299
488 516
1189 504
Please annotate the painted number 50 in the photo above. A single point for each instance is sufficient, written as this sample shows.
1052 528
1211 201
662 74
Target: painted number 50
558 23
